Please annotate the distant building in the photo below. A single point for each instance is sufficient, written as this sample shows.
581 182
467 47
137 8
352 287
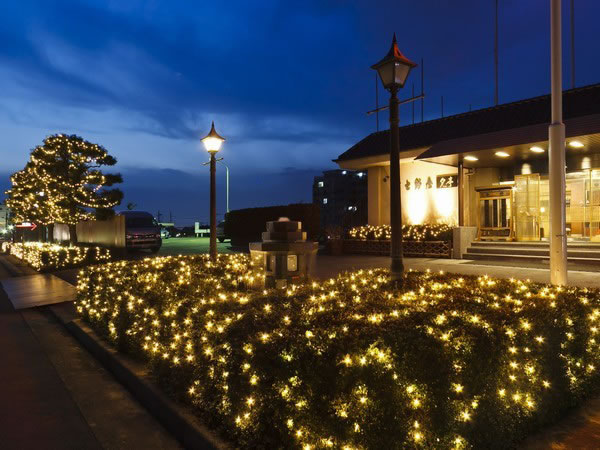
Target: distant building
4 214
342 197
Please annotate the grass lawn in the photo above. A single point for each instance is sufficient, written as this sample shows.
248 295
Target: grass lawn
190 246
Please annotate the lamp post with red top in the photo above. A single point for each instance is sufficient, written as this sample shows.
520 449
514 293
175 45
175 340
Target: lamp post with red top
393 70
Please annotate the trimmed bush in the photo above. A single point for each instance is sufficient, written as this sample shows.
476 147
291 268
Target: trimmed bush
247 225
354 362
44 256
424 232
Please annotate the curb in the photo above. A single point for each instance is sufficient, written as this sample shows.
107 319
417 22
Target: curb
179 422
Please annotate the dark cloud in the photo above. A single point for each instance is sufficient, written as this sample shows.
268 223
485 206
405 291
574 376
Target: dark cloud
288 82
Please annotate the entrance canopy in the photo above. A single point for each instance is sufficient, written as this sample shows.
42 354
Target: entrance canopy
512 127
505 148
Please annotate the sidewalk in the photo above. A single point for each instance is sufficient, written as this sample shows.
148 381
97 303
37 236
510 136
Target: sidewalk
329 266
37 410
56 395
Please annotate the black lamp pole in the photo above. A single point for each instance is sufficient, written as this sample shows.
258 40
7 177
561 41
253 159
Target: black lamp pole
212 141
213 207
397 264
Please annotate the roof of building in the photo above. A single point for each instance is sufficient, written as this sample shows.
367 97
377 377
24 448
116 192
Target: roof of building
577 102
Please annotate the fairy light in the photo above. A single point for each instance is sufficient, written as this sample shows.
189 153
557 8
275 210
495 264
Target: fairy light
422 232
62 181
46 256
256 354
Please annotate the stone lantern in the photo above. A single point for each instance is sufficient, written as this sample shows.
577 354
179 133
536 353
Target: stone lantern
285 253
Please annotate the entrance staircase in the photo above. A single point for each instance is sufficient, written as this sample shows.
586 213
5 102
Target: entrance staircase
580 253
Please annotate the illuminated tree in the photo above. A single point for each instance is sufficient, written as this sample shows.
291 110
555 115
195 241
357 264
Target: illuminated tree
63 183
25 198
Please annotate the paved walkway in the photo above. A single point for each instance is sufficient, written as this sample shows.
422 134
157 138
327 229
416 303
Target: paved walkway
329 266
55 395
37 290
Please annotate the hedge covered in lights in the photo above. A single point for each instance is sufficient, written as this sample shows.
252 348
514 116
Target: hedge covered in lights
424 232
445 362
45 256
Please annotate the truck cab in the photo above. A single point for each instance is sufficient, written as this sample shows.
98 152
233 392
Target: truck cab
141 231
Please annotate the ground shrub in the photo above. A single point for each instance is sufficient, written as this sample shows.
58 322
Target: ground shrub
43 256
354 362
424 232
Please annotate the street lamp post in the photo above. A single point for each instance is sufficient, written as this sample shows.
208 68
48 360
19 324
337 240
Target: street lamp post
212 142
227 184
393 70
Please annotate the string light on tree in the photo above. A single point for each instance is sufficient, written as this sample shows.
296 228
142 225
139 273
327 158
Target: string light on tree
62 182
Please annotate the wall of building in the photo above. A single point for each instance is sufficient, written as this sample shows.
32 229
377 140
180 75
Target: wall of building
378 195
422 200
427 203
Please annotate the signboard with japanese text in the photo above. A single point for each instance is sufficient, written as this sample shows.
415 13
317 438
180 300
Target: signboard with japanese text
446 181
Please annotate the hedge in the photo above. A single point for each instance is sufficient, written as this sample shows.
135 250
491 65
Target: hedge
422 232
246 225
43 256
354 362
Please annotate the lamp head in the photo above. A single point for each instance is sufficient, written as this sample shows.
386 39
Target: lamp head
394 68
213 141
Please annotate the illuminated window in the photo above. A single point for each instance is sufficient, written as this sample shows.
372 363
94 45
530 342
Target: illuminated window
324 201
292 263
321 184
344 172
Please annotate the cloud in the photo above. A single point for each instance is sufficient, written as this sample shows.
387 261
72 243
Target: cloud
288 84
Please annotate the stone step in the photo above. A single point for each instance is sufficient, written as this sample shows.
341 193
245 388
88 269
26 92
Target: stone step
533 251
528 258
575 245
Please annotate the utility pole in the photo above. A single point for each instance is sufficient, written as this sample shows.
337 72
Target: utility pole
158 215
572 44
422 89
377 100
496 57
556 154
413 104
442 104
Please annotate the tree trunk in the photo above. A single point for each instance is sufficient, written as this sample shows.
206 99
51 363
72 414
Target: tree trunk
50 231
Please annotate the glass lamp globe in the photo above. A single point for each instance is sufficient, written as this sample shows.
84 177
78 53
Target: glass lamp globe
394 68
213 141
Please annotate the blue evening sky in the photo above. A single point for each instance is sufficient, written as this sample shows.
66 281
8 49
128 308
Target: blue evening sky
287 83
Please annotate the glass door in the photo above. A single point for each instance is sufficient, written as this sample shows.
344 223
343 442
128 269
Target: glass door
576 202
527 207
495 214
593 205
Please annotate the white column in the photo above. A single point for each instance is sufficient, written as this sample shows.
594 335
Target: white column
556 153
374 179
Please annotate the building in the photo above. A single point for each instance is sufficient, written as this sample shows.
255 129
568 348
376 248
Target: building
489 169
4 216
342 197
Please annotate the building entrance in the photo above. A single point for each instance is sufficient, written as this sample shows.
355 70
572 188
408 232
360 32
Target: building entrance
521 212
